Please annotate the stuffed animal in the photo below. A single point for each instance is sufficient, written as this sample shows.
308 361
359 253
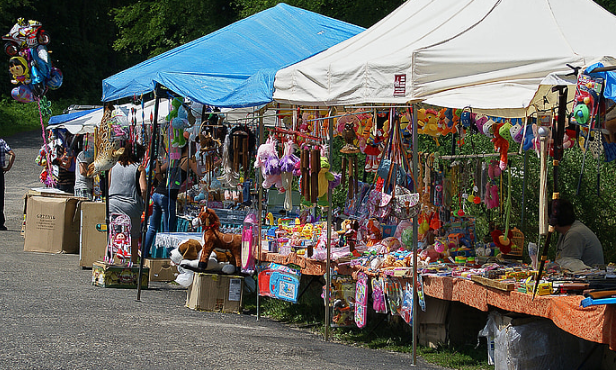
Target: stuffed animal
267 160
324 178
178 124
186 257
213 238
501 144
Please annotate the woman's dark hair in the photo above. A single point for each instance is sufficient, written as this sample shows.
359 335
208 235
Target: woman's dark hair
129 156
561 212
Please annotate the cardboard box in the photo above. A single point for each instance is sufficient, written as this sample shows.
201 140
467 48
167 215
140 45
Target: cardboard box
161 269
212 292
51 224
116 276
436 311
431 335
92 243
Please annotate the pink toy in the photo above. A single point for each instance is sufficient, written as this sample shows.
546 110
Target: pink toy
491 196
267 160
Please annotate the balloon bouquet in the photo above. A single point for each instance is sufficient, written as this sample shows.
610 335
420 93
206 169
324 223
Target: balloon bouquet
30 65
33 73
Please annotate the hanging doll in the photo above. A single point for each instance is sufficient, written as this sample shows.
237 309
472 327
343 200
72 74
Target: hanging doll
374 144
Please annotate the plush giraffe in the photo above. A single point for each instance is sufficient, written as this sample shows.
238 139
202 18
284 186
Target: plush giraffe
106 149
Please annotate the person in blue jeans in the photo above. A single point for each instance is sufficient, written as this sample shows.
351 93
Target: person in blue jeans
165 195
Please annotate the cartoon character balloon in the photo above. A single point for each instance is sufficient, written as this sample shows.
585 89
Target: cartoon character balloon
30 65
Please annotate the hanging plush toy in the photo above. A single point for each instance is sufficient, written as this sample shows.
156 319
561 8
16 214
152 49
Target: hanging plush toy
501 144
267 159
179 121
324 178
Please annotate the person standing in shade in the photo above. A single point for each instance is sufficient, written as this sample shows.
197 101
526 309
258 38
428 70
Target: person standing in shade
83 183
4 150
66 170
127 186
166 194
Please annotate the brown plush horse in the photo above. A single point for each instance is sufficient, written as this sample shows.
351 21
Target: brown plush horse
214 238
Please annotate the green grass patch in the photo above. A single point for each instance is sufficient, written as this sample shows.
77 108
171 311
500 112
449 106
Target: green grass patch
18 117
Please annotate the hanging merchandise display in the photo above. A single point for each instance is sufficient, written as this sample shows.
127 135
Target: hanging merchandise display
347 126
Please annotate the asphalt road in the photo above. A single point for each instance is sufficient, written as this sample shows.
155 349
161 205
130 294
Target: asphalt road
54 318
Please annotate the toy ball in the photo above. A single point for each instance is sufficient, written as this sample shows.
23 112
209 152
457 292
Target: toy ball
439 247
471 198
587 100
460 212
581 114
477 200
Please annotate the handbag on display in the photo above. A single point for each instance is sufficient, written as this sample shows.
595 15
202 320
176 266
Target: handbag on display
378 204
394 169
405 203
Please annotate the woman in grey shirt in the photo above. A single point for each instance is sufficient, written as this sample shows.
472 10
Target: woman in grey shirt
127 185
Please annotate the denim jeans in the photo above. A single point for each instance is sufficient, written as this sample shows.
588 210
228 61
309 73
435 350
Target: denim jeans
162 207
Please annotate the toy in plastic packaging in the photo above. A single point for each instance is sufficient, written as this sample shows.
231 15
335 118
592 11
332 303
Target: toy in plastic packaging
406 310
394 293
379 303
119 238
342 301
361 299
278 281
250 239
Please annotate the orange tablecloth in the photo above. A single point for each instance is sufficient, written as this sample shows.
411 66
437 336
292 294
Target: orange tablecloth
308 266
594 323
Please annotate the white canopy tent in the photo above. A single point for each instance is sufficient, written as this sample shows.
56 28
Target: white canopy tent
497 52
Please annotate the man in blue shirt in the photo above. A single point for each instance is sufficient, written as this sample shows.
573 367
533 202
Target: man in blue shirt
5 167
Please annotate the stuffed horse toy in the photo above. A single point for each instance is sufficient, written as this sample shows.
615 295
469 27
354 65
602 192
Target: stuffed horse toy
214 238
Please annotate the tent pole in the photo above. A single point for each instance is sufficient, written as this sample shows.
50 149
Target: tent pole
153 155
328 286
260 211
415 230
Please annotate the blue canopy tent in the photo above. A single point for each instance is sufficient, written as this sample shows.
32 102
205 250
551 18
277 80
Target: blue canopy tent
234 66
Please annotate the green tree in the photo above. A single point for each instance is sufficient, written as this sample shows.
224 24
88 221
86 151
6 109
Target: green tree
152 27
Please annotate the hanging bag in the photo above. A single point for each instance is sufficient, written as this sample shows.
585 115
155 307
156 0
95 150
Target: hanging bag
378 203
404 203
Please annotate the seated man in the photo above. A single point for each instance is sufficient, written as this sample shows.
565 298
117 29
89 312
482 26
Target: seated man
576 240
